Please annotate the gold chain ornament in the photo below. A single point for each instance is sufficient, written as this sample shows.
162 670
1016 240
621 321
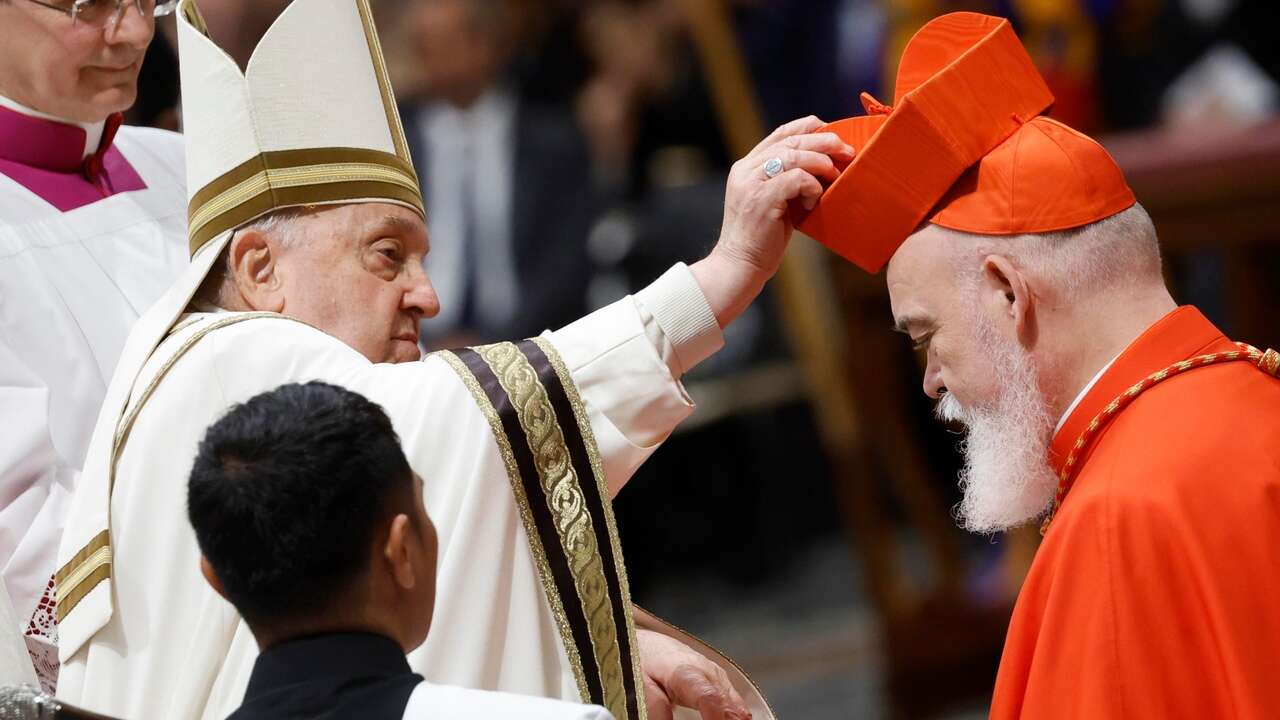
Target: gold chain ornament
1268 362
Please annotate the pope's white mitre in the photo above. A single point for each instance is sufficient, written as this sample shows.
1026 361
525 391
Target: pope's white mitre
311 120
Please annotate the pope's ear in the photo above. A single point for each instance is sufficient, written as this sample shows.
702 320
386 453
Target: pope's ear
1005 289
253 259
211 576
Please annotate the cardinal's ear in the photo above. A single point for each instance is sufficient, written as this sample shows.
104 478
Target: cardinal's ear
1007 295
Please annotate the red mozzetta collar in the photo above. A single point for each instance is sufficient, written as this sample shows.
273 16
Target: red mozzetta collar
1181 334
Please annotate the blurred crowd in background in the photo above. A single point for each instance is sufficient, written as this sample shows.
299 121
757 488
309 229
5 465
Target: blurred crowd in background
570 150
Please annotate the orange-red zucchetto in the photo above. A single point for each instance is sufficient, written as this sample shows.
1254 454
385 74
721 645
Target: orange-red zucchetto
963 146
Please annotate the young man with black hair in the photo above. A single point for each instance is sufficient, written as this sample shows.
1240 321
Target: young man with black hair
311 522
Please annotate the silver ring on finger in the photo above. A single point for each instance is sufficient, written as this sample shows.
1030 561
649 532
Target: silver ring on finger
773 167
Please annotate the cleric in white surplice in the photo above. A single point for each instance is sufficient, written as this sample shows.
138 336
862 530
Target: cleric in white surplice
92 231
521 445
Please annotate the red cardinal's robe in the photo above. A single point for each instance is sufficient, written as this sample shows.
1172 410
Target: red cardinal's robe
1156 592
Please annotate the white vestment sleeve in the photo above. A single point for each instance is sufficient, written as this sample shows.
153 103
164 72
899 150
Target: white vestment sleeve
627 359
445 702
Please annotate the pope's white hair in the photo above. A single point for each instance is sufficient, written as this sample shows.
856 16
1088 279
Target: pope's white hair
1110 253
282 225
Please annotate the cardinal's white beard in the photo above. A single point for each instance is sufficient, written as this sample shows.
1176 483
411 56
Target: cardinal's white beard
1006 478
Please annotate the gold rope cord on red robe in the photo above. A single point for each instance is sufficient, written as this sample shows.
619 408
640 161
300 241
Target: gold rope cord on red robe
1268 362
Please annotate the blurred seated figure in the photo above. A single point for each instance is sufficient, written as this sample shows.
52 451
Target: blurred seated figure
508 180
311 522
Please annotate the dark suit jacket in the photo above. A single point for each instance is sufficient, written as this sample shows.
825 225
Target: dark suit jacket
553 210
328 677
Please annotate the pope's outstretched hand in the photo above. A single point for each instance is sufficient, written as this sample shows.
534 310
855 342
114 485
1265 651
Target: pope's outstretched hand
753 238
757 227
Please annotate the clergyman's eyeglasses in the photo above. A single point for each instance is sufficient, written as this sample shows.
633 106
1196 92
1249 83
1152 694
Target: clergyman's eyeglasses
99 13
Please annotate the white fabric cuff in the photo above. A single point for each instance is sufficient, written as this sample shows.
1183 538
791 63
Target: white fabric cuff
676 302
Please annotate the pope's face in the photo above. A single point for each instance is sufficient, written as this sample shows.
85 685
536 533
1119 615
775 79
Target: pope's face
357 274
78 71
930 306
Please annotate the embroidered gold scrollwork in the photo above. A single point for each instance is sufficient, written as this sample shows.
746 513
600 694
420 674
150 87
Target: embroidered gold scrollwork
563 493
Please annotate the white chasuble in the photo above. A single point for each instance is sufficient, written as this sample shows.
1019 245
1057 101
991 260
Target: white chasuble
520 446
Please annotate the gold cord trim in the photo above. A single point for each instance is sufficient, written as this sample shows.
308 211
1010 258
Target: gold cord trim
126 424
94 555
76 579
100 558
1268 362
384 82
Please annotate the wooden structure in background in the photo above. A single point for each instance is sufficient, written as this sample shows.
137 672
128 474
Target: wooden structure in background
1216 189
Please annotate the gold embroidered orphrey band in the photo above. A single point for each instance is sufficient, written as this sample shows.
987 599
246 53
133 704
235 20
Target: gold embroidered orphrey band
91 565
542 431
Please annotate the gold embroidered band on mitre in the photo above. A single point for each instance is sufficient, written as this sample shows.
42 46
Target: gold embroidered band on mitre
291 178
